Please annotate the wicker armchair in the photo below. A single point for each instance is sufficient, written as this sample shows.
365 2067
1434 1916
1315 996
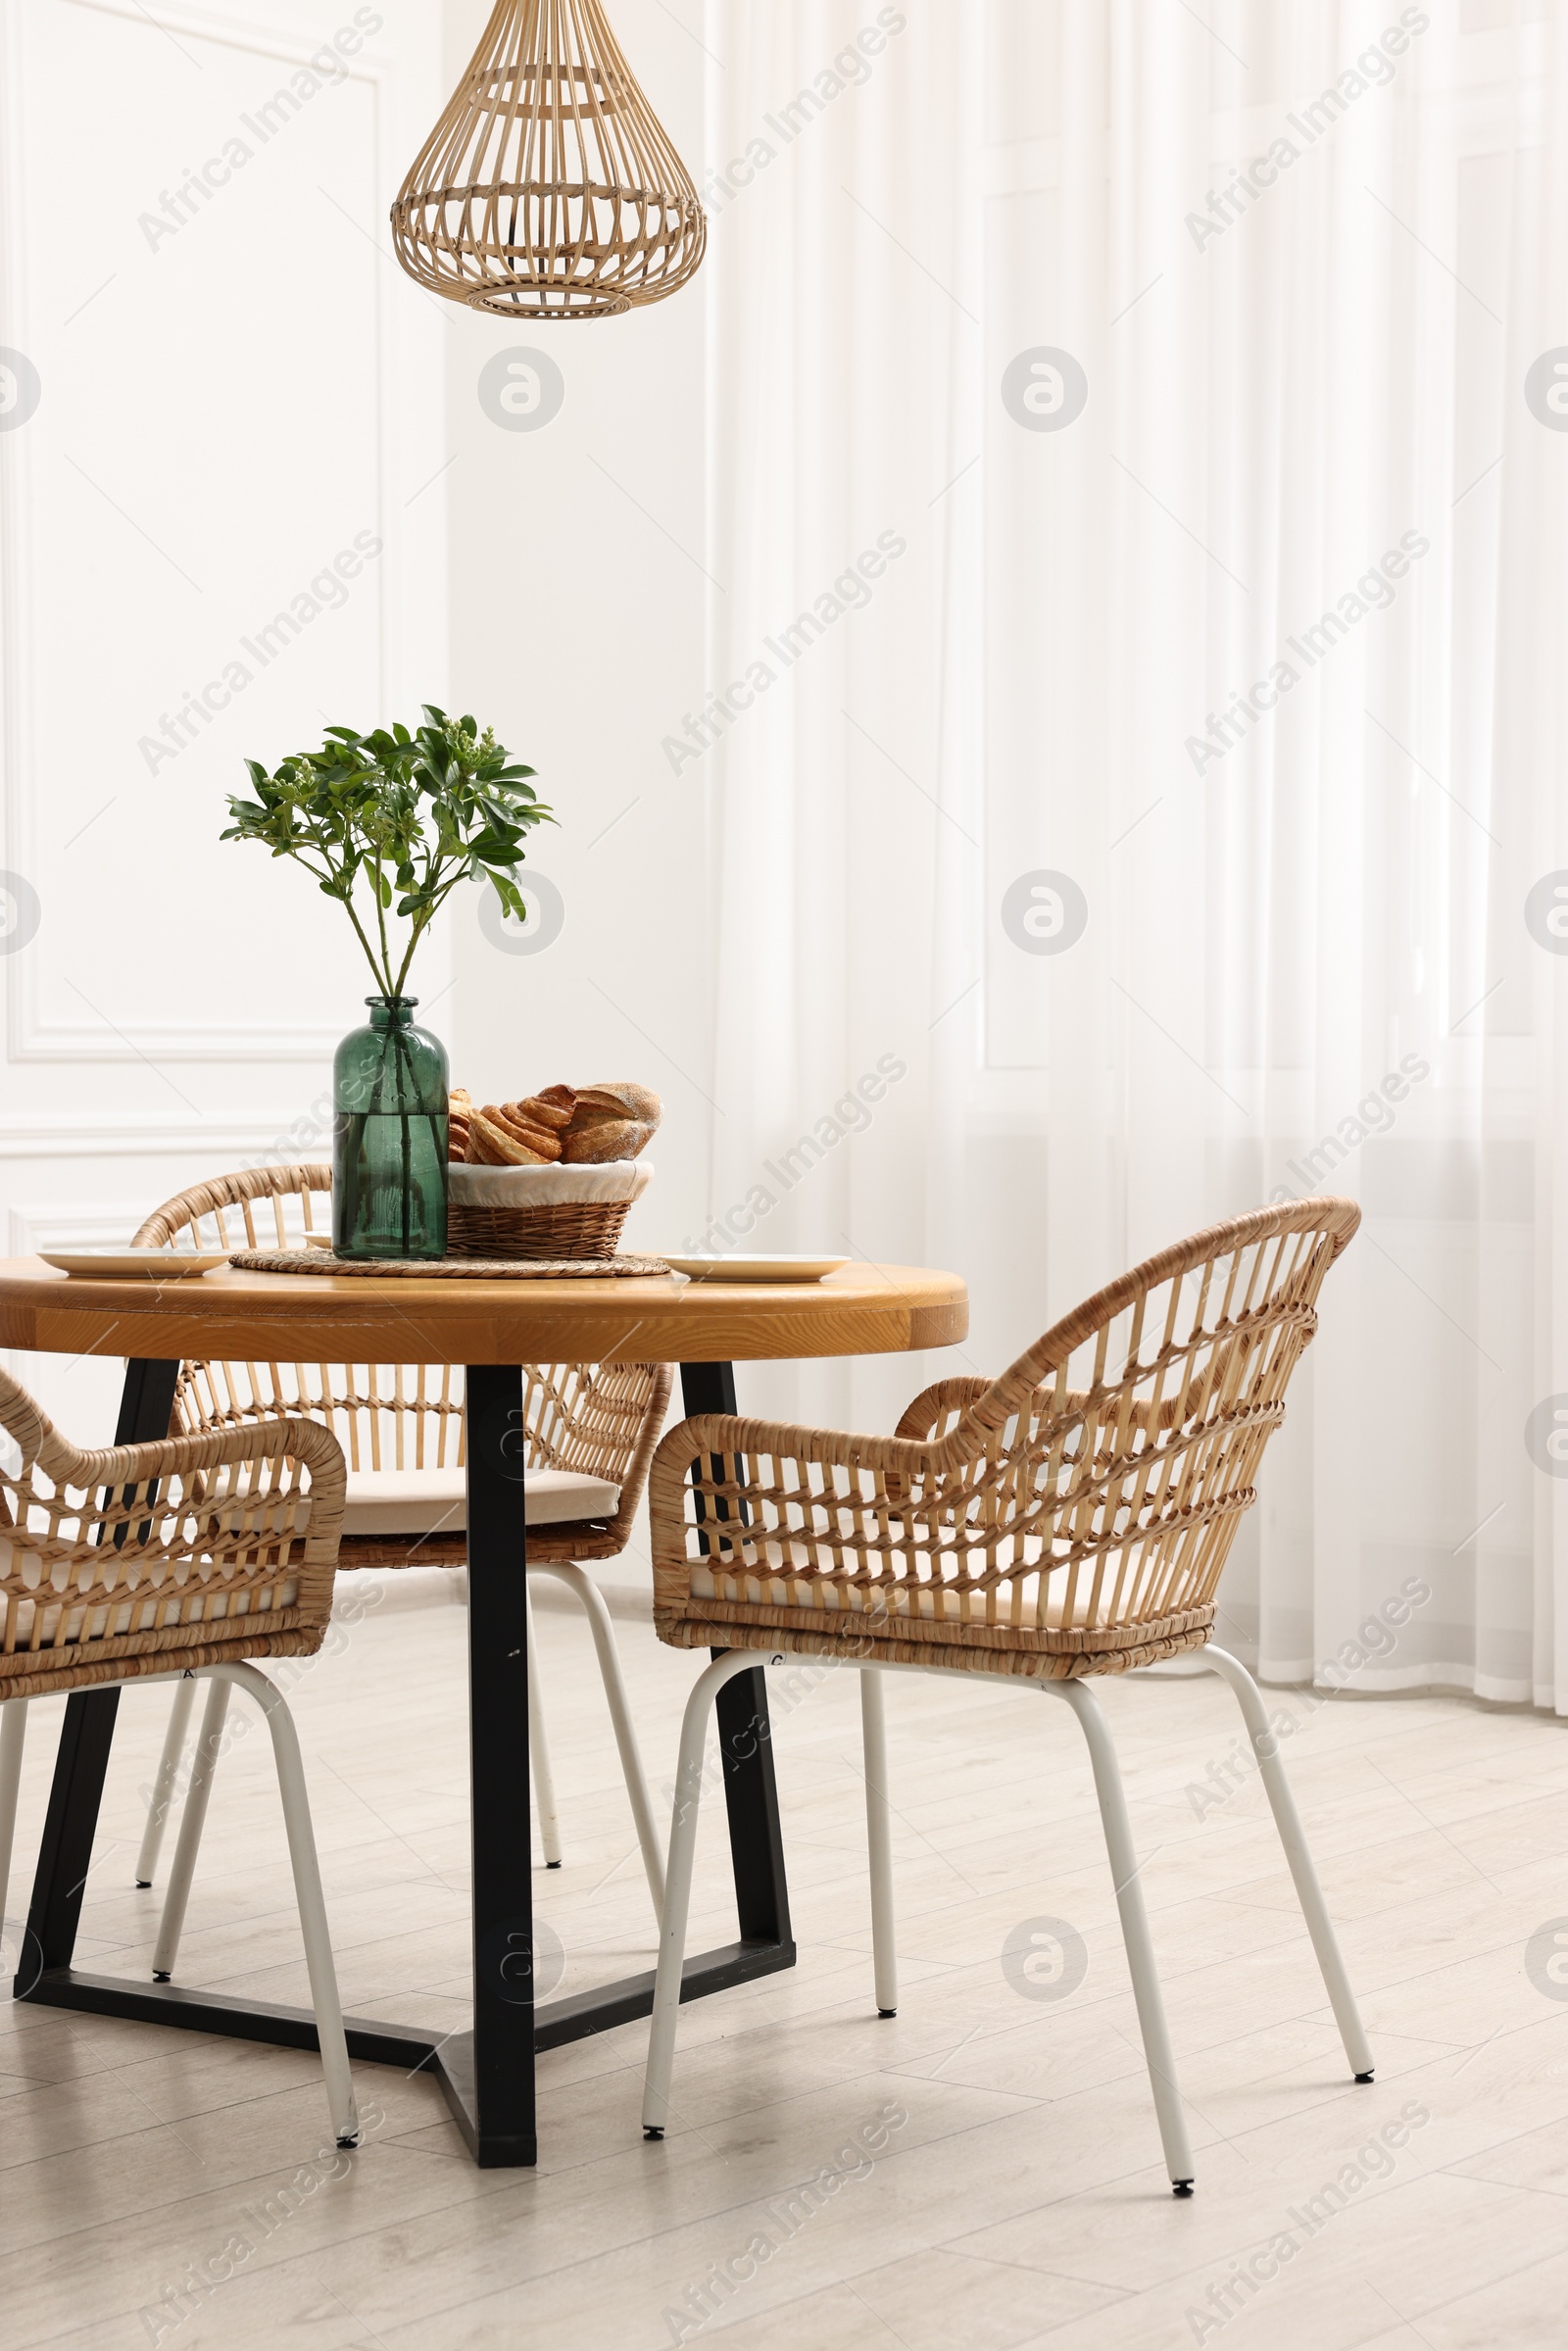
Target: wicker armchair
1070 1518
590 1430
192 1556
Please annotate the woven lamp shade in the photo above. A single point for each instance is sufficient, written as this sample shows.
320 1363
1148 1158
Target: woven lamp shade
548 189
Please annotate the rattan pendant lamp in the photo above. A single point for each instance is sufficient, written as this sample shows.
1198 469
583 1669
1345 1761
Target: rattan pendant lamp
548 188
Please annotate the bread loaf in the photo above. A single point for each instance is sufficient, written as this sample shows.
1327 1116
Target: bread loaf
613 1121
583 1126
609 1139
619 1098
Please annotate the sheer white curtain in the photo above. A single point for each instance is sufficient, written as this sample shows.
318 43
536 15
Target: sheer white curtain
1138 517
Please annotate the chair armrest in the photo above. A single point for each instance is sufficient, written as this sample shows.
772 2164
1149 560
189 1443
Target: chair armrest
635 1471
932 1406
67 1464
138 1551
309 1442
953 1397
588 1421
910 1478
635 1481
118 1480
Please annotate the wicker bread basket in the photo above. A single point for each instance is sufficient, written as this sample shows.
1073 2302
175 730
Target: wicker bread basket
541 1211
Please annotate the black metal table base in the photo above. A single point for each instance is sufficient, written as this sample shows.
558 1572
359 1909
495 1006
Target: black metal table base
450 2059
487 2074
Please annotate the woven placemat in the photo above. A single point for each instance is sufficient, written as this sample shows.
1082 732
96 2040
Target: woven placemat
447 1269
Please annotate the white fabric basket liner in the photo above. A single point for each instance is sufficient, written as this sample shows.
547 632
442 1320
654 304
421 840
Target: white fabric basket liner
547 1186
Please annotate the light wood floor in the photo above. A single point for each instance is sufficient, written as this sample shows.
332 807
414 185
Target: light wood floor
1020 2200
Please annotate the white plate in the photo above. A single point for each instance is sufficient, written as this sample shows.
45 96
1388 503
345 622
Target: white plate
151 1264
755 1269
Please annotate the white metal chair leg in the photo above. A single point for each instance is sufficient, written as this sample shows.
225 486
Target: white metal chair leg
1297 1852
544 1784
311 1902
880 1841
577 1580
167 1949
13 1735
609 1657
164 1784
678 1884
1157 2052
308 1894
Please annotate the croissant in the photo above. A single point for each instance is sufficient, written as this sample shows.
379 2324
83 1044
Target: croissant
460 1116
499 1140
581 1126
552 1111
553 1108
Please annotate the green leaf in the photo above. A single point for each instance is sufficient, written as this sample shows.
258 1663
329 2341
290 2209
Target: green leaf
409 811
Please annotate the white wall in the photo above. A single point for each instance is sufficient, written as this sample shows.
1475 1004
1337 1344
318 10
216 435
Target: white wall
232 393
231 389
576 584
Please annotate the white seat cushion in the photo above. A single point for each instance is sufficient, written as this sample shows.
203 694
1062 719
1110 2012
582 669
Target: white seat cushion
433 1502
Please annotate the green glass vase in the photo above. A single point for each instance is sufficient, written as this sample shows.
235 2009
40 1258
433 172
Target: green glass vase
389 1137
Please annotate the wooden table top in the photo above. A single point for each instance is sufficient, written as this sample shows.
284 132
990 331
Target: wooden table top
322 1318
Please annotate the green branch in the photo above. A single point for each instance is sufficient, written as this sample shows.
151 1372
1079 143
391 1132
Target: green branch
436 804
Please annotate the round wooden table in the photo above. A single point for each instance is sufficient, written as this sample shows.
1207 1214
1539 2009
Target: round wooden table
333 1319
492 1328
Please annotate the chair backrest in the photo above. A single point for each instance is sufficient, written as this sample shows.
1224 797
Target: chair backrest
256 1207
158 1557
587 1417
1100 1479
1083 1504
